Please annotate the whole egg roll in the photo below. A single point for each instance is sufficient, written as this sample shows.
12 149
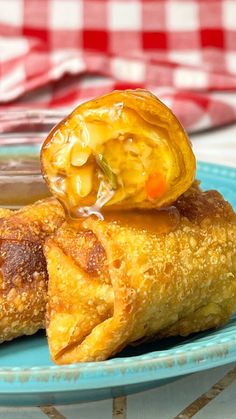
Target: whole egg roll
140 275
23 271
122 150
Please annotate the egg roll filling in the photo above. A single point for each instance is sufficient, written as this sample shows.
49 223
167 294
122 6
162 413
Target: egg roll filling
118 151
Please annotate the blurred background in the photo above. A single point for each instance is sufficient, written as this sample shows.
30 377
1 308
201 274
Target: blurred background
55 54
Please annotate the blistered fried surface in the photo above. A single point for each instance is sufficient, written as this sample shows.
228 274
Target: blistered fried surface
4 212
23 272
174 283
84 248
199 206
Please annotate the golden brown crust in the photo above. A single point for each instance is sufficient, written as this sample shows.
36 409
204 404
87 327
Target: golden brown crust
83 247
23 274
4 212
178 282
205 205
35 221
20 261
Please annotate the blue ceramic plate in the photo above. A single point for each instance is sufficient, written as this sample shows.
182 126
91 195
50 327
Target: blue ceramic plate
27 376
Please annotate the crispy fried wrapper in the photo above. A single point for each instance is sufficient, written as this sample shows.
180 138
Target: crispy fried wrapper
122 150
4 212
115 282
23 272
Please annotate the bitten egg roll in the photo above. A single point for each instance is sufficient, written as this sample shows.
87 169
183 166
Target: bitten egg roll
23 272
140 275
123 150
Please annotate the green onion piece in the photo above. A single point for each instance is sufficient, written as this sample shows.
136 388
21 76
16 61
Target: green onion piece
106 170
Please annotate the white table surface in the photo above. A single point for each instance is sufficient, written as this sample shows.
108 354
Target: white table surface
208 394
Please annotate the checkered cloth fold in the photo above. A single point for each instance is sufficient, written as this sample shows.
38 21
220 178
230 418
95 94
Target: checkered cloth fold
58 53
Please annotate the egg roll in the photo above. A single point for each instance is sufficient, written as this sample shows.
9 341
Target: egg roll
140 275
122 150
23 271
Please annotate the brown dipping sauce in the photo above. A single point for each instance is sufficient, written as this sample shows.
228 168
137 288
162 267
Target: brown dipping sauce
21 182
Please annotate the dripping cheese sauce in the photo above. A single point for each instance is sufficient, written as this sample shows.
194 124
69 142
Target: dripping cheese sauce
156 221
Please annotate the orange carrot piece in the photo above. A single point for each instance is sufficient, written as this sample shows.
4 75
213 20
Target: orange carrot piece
155 186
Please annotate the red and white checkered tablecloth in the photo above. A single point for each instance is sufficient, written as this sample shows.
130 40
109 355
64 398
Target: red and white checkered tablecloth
57 53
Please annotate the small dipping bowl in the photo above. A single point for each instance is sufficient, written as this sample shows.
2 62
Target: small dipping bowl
22 133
